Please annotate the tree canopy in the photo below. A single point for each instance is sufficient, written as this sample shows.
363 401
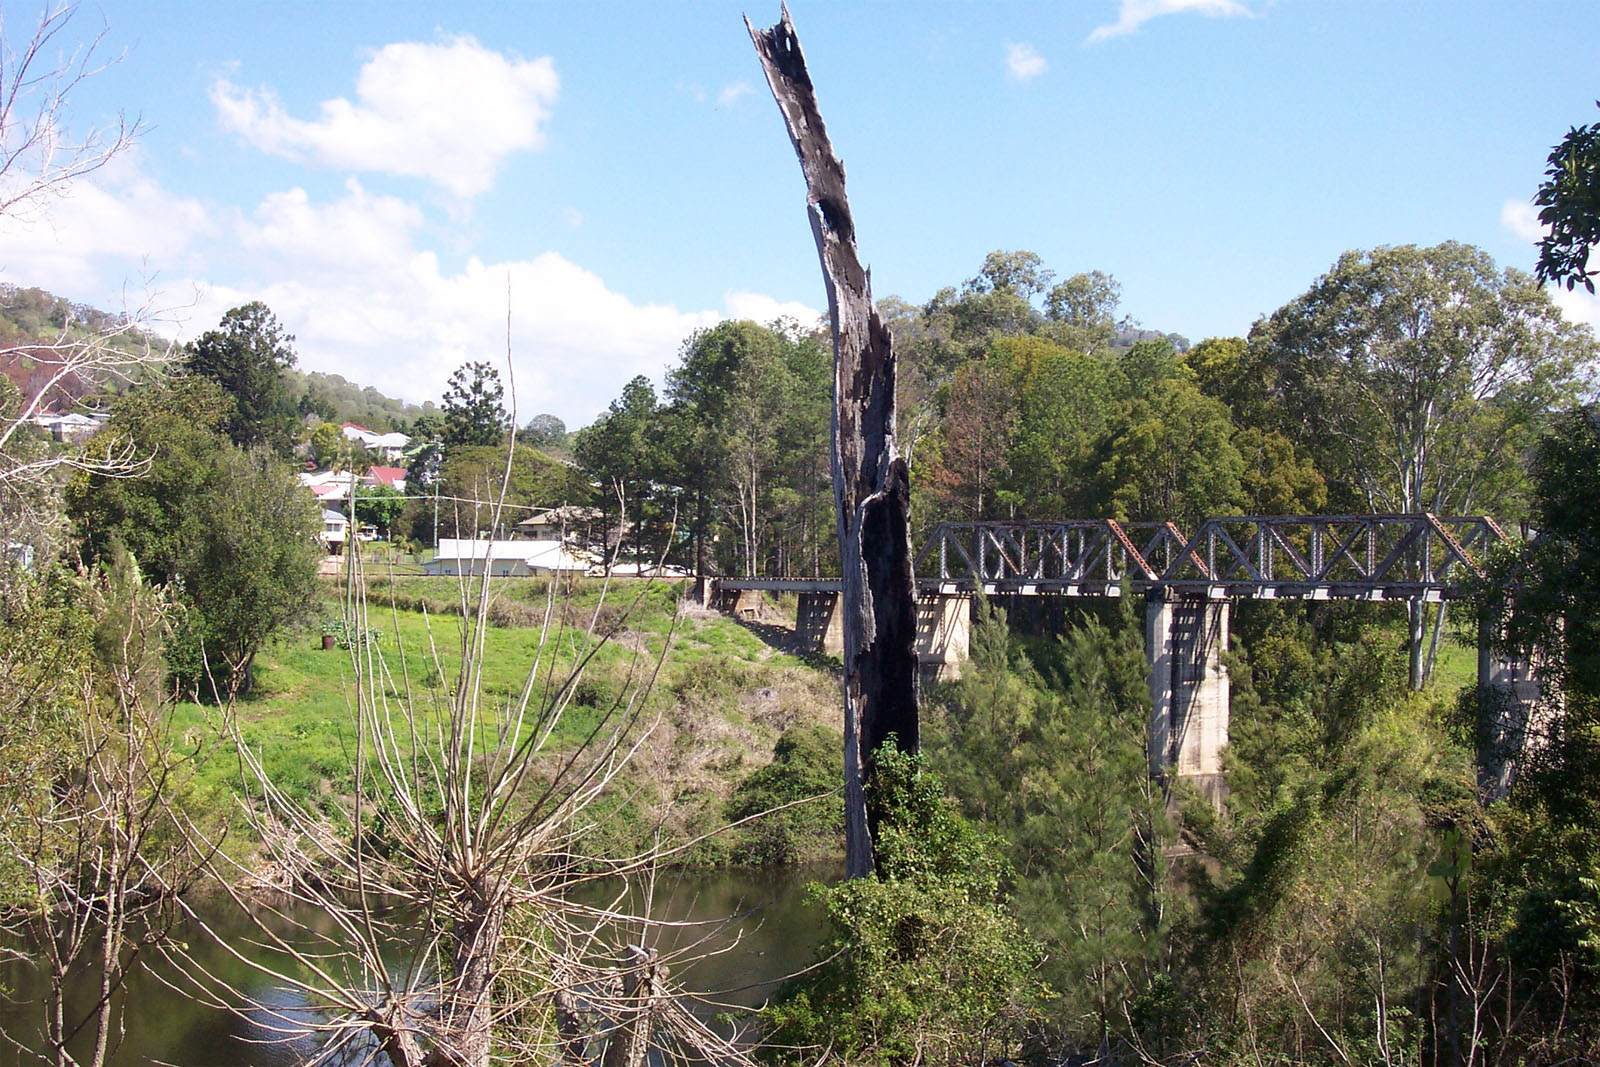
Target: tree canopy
1569 203
248 355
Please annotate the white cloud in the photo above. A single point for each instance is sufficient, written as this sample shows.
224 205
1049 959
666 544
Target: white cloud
352 281
448 112
121 222
731 94
1522 219
761 308
1132 14
1024 63
1578 305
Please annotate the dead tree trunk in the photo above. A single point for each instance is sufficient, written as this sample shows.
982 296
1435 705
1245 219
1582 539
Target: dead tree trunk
871 485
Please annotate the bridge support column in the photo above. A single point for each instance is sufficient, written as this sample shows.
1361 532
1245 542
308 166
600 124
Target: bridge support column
944 634
1189 691
1512 718
818 623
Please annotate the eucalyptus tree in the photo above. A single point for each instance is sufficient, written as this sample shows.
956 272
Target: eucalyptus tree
1418 378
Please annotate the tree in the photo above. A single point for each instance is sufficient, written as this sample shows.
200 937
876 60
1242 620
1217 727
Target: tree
473 412
96 799
1569 200
1540 876
544 431
380 506
41 156
473 832
926 965
1045 746
248 356
1418 377
231 529
618 451
1170 454
1083 312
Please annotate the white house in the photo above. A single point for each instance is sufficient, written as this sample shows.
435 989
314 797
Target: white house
335 528
509 558
391 446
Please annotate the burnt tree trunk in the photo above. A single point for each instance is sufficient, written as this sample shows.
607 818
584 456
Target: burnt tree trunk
871 484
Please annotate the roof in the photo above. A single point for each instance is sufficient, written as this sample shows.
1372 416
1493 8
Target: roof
329 515
545 555
387 475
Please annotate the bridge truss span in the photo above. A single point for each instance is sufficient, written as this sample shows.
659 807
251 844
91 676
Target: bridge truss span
1362 557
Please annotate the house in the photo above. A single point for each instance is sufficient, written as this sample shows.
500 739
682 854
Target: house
389 477
553 524
335 528
328 486
71 427
391 446
506 558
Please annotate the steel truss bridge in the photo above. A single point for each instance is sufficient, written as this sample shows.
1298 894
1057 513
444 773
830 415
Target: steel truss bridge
1306 557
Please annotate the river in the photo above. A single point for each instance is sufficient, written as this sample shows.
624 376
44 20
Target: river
770 931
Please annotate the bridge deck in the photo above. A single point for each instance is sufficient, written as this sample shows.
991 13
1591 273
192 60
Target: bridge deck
1282 557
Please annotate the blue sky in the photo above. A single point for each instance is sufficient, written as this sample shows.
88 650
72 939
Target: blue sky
382 174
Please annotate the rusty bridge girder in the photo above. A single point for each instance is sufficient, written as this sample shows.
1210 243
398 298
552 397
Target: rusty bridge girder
1315 557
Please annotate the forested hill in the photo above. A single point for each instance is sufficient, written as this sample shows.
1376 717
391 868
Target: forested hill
32 317
334 398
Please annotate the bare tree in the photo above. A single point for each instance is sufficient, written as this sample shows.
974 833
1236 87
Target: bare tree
448 922
871 481
41 157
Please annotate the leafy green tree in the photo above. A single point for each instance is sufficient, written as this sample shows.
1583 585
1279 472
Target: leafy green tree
248 355
231 530
807 763
1170 453
1417 376
1083 312
481 473
544 431
619 452
1046 747
473 412
1569 202
925 965
251 572
380 506
1541 881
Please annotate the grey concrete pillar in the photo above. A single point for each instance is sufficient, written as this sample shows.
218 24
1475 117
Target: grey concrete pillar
819 624
1513 715
1189 691
944 634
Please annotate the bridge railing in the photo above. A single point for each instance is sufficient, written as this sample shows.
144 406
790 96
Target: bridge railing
1362 556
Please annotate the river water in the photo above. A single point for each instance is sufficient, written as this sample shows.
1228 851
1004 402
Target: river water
748 930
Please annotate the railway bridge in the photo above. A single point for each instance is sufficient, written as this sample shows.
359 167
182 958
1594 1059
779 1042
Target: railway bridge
1188 582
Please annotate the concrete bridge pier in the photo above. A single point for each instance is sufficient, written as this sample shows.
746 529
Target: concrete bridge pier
944 634
819 624
1513 719
1189 691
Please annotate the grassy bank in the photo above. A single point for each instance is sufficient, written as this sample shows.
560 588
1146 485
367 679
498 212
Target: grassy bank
716 695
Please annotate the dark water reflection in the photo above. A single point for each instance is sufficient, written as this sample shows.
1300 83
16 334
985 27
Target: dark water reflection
746 929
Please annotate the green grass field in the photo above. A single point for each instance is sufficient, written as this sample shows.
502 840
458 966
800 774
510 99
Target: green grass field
718 700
